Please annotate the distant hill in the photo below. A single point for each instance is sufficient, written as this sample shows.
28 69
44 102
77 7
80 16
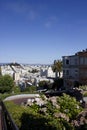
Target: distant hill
14 64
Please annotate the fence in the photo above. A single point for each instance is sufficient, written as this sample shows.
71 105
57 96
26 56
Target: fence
6 121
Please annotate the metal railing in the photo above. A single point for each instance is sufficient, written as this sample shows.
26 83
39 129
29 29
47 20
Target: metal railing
6 121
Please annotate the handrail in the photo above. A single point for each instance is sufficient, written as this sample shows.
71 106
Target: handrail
2 120
7 119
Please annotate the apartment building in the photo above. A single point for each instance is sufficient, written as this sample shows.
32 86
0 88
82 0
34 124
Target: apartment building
75 69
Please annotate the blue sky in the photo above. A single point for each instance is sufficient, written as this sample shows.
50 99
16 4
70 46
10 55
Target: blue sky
40 31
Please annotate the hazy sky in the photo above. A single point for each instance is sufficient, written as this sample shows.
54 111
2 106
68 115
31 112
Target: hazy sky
40 31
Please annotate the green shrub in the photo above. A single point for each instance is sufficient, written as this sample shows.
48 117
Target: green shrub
69 106
4 95
28 118
50 108
85 94
83 87
30 89
16 89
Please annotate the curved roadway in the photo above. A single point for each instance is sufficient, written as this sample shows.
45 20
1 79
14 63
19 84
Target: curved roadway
22 98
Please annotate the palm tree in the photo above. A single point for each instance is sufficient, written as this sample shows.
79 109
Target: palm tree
57 67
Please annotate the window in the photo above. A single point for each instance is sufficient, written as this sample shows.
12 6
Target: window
85 60
63 71
76 71
75 61
81 60
67 72
67 62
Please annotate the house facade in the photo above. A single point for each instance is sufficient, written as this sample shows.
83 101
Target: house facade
75 69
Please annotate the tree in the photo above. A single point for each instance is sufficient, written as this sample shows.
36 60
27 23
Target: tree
76 84
58 84
57 67
6 83
44 84
33 71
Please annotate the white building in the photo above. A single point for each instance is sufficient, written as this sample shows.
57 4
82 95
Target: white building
50 72
16 76
47 72
7 70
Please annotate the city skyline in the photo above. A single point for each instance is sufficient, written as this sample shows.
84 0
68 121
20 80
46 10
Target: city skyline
41 31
